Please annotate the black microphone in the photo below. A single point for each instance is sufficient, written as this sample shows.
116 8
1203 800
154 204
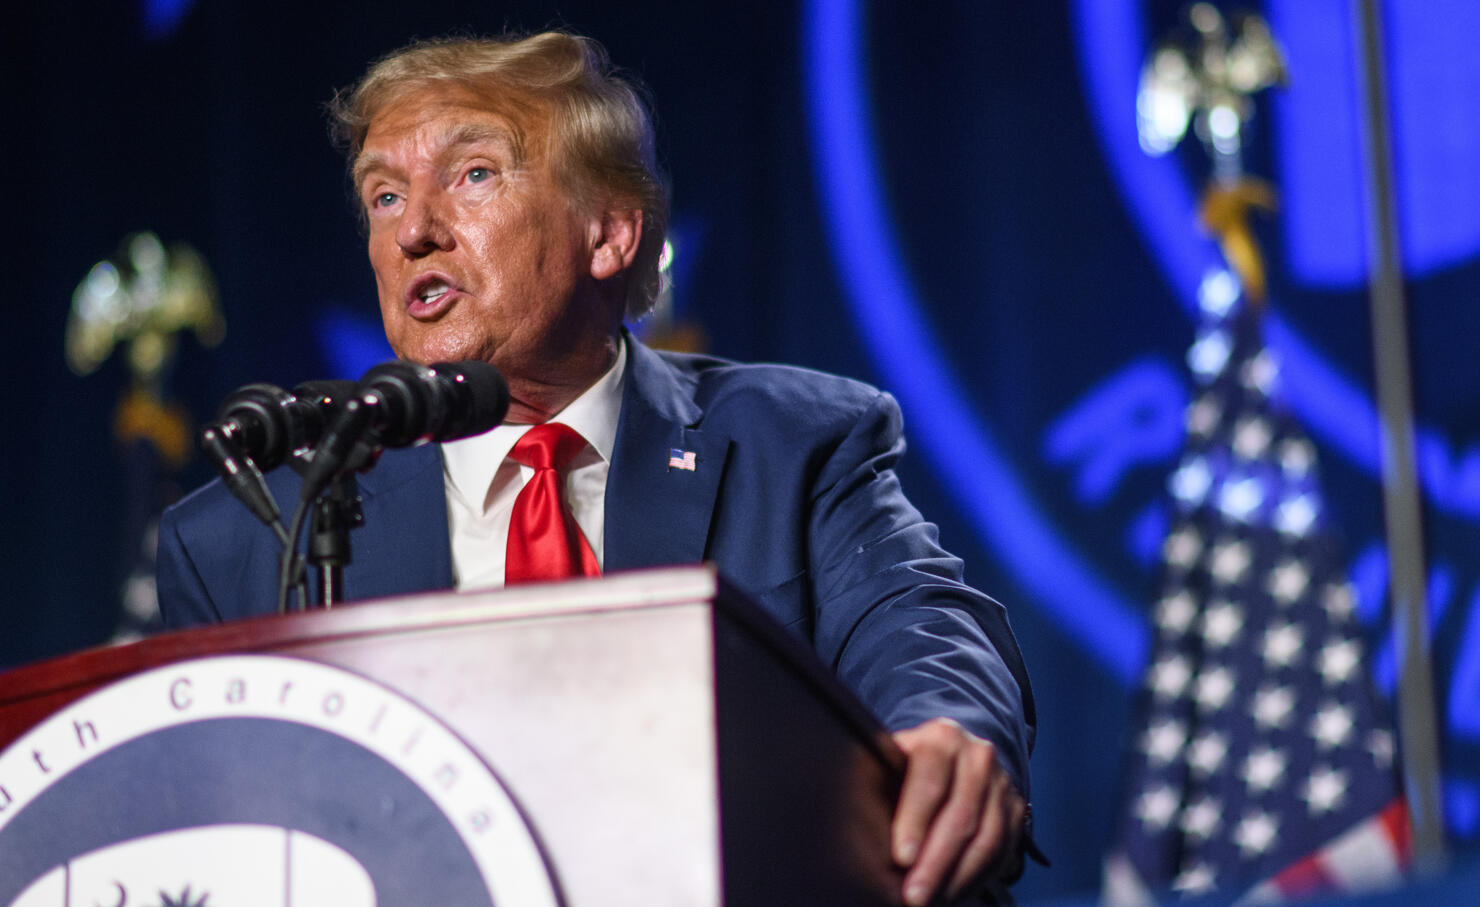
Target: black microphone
269 424
476 398
402 404
325 397
258 427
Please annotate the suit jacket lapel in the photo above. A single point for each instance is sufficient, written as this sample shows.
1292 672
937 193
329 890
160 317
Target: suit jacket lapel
655 514
405 504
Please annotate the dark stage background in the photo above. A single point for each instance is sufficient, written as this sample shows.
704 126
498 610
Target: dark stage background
1009 215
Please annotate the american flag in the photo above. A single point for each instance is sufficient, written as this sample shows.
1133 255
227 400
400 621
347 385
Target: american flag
680 459
1264 765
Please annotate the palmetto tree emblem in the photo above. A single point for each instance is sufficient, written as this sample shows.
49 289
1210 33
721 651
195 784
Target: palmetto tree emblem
184 900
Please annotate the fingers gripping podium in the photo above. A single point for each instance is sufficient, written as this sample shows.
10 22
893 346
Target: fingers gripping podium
646 738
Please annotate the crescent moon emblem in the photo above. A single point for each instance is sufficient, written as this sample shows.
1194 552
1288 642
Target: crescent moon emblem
122 896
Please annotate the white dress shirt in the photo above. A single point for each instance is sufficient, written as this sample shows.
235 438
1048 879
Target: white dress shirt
482 482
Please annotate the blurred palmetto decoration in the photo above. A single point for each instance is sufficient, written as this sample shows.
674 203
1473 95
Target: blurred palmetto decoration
1206 77
141 299
1209 76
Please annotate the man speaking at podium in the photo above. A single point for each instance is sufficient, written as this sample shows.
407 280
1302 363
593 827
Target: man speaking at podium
515 215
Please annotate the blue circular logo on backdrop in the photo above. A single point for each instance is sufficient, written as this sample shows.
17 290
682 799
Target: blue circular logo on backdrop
902 343
1134 416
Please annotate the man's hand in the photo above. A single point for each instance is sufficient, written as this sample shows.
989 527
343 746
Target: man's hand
959 819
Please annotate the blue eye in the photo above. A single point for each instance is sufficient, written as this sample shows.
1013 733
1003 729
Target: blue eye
479 174
384 200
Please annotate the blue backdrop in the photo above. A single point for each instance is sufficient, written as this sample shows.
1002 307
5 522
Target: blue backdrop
950 203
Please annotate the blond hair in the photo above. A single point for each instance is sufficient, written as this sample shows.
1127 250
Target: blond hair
601 135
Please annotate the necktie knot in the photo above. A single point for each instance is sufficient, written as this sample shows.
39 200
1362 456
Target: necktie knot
544 541
549 445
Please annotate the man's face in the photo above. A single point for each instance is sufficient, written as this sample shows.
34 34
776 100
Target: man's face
477 251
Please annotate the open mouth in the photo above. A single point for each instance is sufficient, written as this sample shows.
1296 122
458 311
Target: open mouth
434 291
428 295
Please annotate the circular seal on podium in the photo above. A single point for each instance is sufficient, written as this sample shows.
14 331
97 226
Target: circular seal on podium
263 780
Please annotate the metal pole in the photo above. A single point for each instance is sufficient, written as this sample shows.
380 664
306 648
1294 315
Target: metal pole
1417 727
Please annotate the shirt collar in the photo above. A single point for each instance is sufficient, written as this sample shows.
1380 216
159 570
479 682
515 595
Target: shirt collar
471 463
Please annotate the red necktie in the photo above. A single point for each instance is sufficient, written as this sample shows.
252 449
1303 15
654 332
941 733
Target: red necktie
544 541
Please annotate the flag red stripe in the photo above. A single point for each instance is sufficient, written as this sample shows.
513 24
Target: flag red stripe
1399 830
1304 879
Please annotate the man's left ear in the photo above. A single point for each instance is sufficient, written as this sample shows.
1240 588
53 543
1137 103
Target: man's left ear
616 244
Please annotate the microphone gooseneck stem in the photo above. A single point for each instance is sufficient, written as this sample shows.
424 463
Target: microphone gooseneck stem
335 514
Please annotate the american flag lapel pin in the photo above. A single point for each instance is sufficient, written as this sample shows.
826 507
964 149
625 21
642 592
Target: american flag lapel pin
680 459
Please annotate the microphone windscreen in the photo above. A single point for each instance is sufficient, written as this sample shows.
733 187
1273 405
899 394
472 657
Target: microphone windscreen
409 409
314 404
324 393
482 393
254 419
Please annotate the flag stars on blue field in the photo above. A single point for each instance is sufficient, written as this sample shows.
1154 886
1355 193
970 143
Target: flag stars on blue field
1283 643
1164 740
1251 437
1264 768
1170 676
1203 417
1217 292
1209 354
1190 483
1231 560
1295 516
1195 879
1241 497
1157 806
1288 581
1332 725
1206 754
1175 613
1339 601
1380 745
1200 819
1214 687
1182 548
1339 660
1222 624
1296 457
1258 374
1272 707
1257 708
1325 789
1256 833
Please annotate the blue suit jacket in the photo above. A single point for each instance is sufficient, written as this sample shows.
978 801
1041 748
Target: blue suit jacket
794 496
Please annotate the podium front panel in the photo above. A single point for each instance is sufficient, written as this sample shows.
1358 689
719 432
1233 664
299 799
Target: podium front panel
666 744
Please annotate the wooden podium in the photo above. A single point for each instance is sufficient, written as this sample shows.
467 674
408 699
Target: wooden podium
666 742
